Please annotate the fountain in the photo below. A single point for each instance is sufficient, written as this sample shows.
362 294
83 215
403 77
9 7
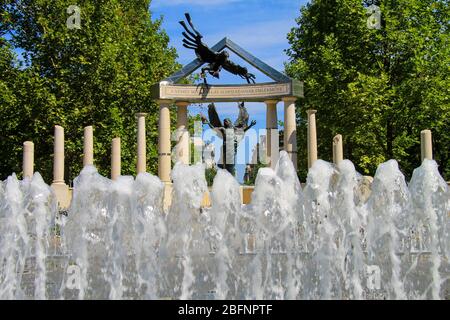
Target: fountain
322 241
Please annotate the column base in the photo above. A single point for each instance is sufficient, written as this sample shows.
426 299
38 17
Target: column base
63 194
246 194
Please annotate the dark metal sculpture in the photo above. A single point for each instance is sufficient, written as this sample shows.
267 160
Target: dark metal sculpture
216 60
230 134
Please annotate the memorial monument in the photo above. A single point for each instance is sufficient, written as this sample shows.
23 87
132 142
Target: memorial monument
229 133
171 91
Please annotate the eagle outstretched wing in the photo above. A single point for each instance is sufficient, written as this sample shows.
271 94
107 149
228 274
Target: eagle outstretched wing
242 120
213 116
193 40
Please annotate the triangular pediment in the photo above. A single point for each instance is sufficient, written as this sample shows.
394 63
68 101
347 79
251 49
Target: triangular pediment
239 51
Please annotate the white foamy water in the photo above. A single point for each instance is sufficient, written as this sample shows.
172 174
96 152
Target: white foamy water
327 240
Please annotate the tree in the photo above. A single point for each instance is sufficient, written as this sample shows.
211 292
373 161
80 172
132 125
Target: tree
377 87
100 74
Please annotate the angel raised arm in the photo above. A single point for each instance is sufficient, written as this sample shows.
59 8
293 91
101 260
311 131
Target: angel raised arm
229 133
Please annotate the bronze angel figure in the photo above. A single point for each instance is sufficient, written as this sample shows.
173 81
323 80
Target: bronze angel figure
216 60
230 134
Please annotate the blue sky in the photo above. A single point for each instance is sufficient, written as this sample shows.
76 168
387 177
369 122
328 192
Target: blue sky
259 26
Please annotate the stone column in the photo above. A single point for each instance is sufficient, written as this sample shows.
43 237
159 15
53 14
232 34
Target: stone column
59 187
58 156
115 159
141 165
338 153
290 129
164 149
426 145
182 133
272 136
28 159
312 137
88 147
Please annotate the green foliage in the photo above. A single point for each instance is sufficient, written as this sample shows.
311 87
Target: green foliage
100 75
377 87
210 173
253 174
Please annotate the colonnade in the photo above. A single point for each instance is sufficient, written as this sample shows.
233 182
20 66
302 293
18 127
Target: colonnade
183 147
182 134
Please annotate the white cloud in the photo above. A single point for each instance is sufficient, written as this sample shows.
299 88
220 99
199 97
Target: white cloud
209 3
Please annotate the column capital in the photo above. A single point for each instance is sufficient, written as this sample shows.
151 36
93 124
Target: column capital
141 114
311 111
337 138
182 103
271 101
290 99
28 143
164 101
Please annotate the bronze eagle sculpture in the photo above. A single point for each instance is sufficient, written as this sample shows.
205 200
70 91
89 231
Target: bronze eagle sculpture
216 60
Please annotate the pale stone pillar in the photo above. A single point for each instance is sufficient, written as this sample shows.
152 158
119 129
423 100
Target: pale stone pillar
58 156
59 187
312 137
182 132
272 135
426 145
164 149
115 159
88 147
141 165
290 129
338 153
28 159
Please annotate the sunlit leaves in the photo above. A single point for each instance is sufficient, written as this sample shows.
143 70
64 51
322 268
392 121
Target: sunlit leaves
98 75
378 88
